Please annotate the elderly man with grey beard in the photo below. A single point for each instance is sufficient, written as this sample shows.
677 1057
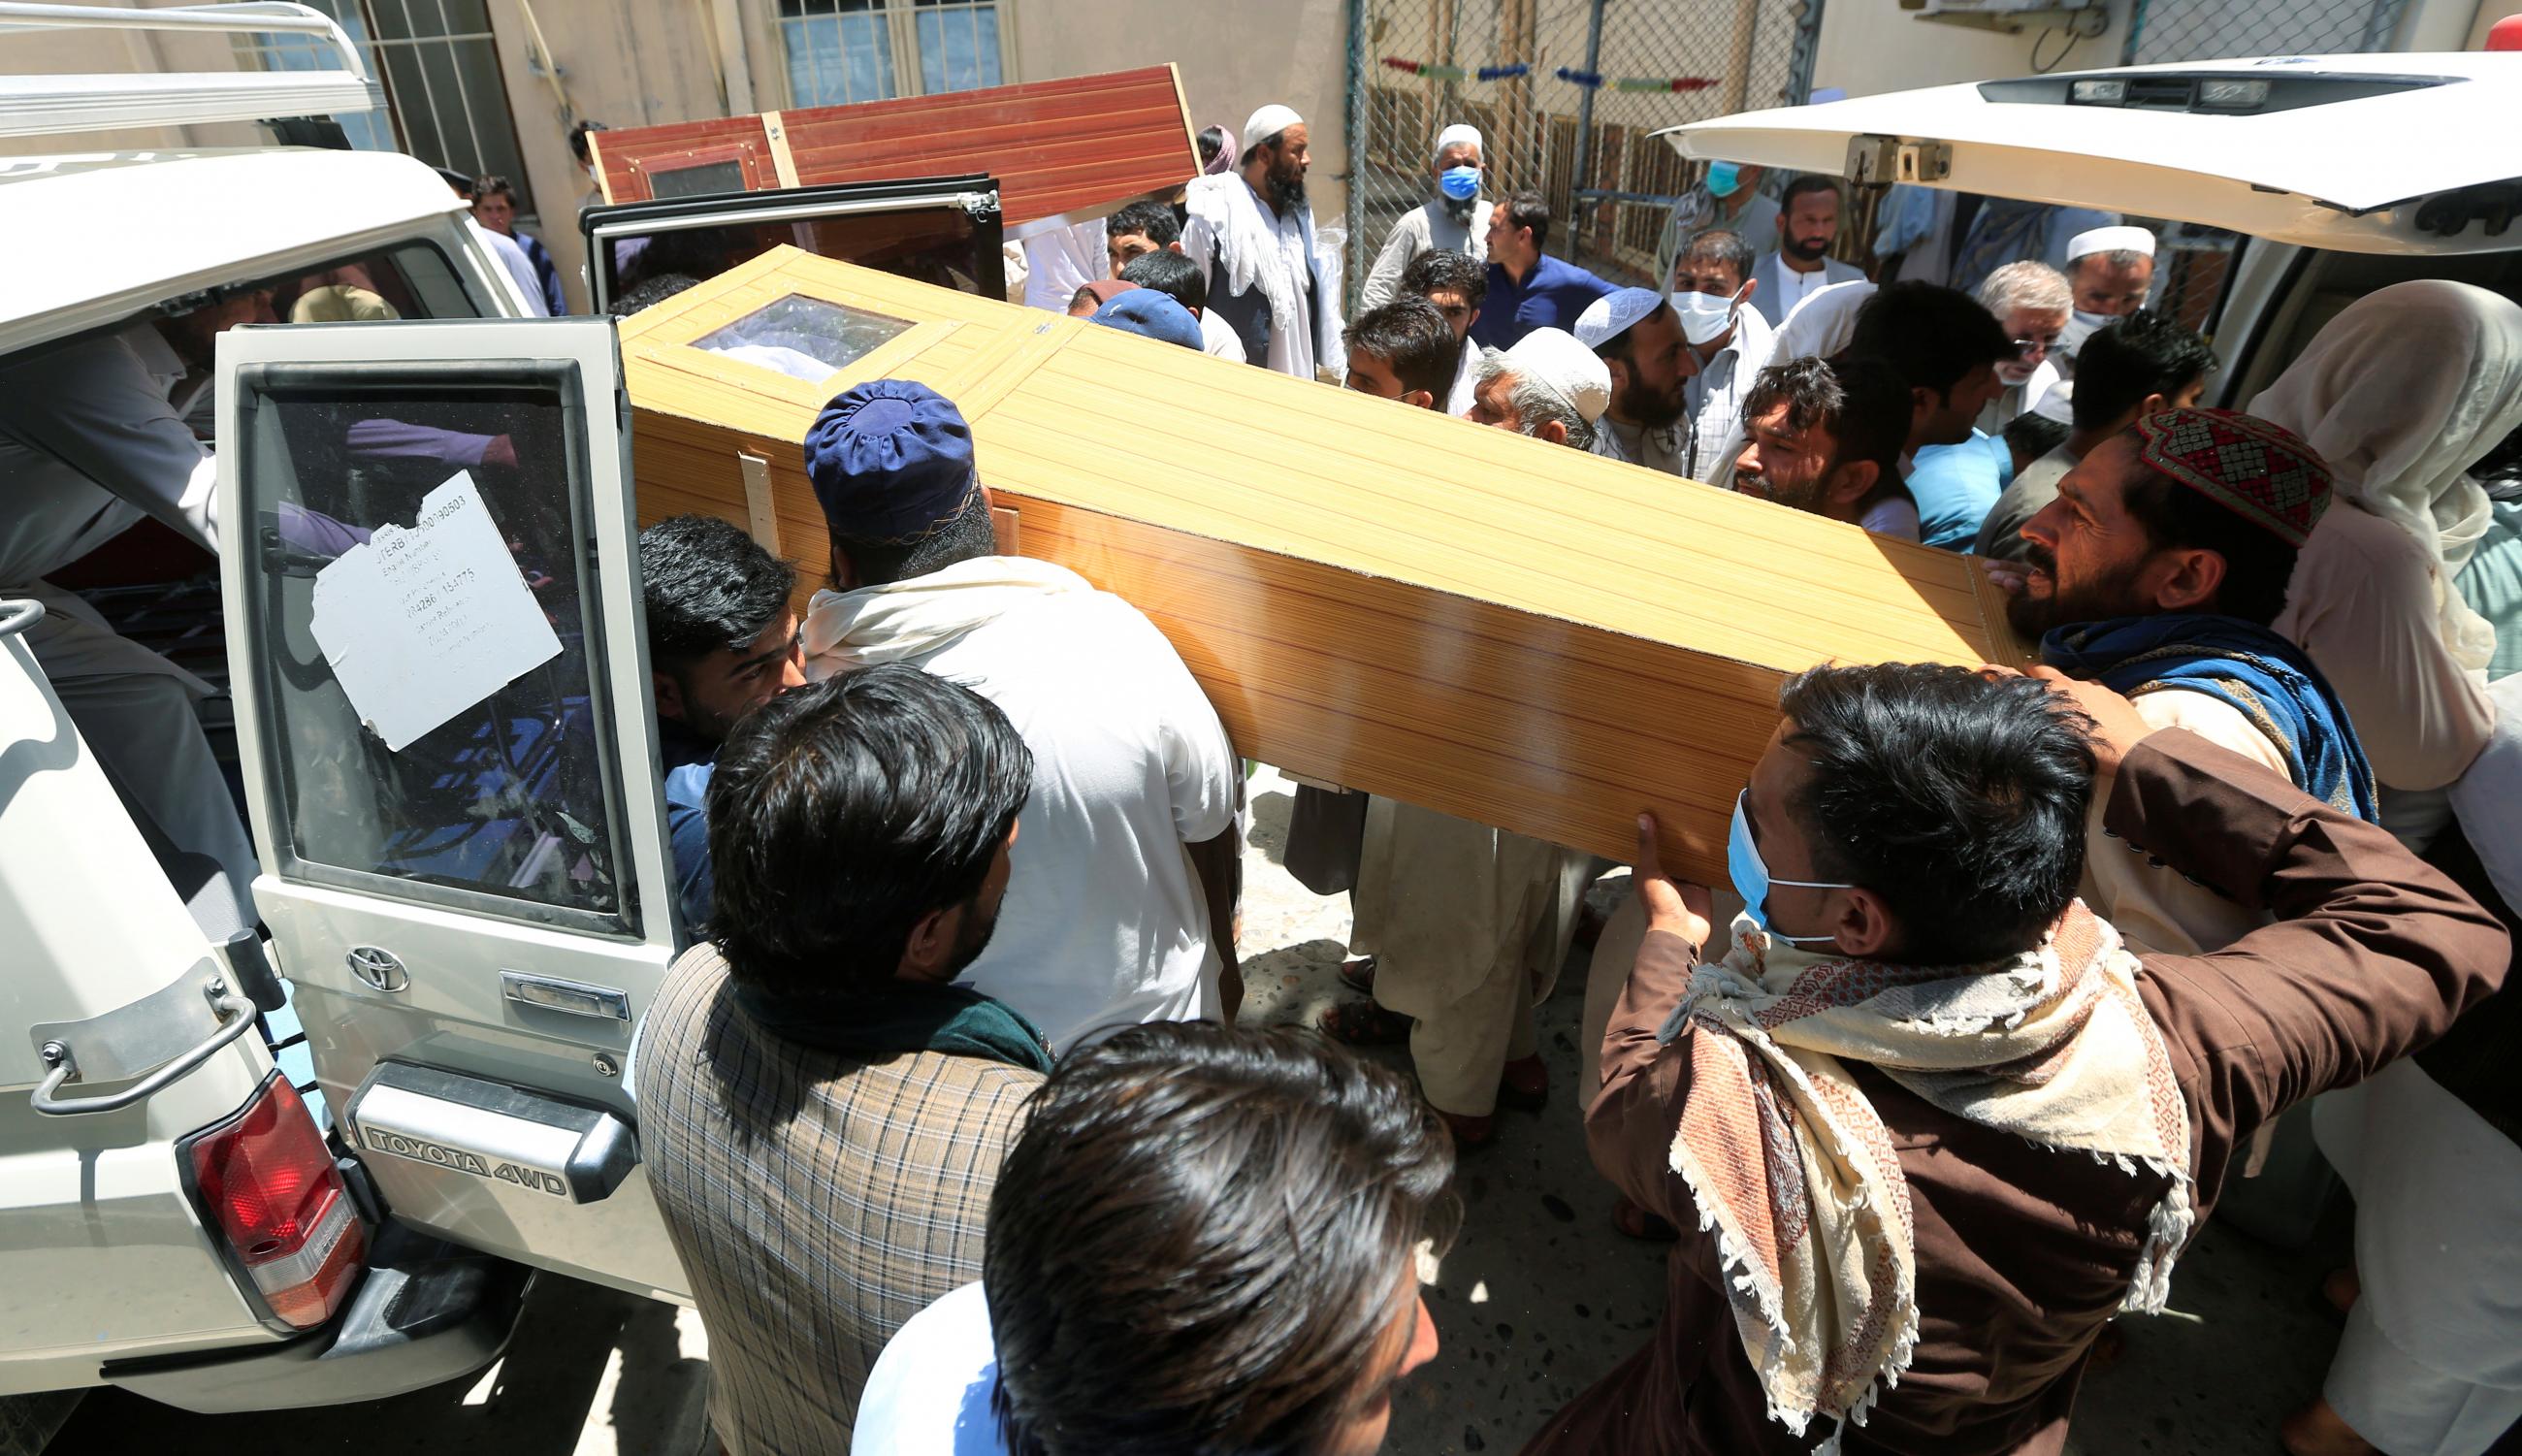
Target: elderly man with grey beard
1548 385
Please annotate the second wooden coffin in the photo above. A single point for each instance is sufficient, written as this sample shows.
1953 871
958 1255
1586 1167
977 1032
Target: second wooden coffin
1373 595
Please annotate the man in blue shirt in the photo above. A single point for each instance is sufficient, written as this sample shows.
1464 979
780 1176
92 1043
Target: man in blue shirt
1528 289
721 641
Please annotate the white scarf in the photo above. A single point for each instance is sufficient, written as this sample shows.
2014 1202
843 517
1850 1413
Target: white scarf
1253 247
908 619
1797 1176
2401 393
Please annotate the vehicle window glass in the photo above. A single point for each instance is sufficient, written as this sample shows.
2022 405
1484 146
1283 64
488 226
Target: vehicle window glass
513 804
933 245
833 335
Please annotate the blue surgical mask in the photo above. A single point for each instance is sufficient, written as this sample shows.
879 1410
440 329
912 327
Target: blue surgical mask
1724 179
1752 876
1460 183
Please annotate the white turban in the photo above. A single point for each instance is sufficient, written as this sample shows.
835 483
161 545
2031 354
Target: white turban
1553 360
2110 240
1268 123
1458 135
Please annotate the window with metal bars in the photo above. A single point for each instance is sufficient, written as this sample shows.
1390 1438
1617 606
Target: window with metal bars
842 51
446 102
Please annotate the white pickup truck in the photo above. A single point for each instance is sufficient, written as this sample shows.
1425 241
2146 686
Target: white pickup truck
470 925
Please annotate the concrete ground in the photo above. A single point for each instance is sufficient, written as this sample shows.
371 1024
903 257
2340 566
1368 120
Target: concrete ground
1540 1297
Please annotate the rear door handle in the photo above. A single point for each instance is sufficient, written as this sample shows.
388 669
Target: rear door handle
235 1012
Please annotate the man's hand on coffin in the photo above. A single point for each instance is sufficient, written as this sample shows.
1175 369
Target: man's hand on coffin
2009 577
1675 906
2117 725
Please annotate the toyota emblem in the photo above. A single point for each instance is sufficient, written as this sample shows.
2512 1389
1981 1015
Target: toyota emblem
380 969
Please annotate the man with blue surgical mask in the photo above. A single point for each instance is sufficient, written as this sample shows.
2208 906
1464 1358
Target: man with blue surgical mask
1728 197
1455 220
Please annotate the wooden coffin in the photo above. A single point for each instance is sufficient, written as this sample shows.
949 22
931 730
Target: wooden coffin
1373 595
1073 149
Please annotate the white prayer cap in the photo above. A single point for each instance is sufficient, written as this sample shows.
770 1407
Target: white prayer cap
2110 240
1268 123
1610 316
1553 360
1458 135
2058 402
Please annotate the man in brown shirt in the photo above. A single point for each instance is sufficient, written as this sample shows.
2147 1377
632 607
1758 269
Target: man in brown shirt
1994 1259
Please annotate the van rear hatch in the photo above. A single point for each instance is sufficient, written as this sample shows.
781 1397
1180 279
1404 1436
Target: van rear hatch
2337 152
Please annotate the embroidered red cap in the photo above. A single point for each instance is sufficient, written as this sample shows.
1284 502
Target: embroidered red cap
2260 471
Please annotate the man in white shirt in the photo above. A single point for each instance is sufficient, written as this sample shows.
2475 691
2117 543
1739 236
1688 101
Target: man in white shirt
1712 290
512 258
1638 338
1823 435
1801 266
92 437
1455 220
1270 275
1121 905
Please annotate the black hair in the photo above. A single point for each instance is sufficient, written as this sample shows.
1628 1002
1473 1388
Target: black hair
1529 209
960 537
1197 1242
2141 354
651 292
843 812
1804 183
1410 336
494 185
578 137
1211 141
1170 273
1959 799
1858 402
2031 436
708 586
1719 244
1443 270
2258 562
1151 220
1933 336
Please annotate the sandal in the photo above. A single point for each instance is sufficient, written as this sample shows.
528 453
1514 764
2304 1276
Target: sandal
1363 1024
1358 975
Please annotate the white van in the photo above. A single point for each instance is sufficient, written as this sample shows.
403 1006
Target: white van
468 924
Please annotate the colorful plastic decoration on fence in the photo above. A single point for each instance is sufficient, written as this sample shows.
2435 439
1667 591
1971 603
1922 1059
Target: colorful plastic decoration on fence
1589 79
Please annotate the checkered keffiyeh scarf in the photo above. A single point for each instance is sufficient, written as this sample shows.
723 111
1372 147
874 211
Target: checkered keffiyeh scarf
1796 1175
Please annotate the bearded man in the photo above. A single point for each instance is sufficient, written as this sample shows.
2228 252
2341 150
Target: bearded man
1270 276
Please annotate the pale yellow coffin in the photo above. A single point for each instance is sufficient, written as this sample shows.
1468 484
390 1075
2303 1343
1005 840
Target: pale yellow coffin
1373 595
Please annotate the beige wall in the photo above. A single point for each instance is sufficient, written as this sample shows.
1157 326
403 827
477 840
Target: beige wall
1234 59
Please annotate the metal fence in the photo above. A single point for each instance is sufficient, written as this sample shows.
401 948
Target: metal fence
2217 30
1565 93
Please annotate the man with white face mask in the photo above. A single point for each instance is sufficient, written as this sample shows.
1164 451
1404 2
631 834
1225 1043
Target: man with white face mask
1728 343
2111 271
1455 220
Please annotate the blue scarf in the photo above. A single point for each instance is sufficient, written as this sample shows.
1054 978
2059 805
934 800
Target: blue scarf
2237 662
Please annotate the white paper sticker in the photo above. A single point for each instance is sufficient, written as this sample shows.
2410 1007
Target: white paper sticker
422 623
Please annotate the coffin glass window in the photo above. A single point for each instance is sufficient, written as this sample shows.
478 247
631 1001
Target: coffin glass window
807 338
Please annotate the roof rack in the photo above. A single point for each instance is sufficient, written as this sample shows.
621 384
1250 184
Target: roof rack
36 104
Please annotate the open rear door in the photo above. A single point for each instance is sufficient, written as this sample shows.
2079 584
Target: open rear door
443 712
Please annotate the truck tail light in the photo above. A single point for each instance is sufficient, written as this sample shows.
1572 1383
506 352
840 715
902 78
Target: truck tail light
266 1181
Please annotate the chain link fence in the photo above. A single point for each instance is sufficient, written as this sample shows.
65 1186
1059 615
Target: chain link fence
2171 30
1566 94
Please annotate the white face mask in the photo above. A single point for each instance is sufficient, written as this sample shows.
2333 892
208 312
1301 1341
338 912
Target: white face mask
2081 326
1703 315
